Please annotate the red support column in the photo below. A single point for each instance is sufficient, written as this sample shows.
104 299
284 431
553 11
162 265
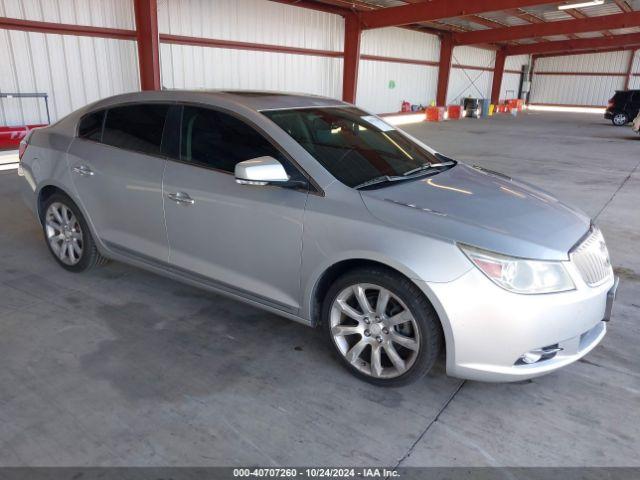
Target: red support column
352 30
446 51
498 71
148 43
627 83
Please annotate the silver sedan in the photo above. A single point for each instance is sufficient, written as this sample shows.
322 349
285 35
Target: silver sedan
316 210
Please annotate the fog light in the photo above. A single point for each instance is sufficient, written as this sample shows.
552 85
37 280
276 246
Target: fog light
535 356
531 357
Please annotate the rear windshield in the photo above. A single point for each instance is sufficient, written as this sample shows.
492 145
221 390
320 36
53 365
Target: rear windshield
353 146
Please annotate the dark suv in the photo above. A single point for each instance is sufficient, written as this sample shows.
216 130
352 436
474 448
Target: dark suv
623 107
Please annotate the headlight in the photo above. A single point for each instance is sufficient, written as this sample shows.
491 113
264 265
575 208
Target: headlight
520 275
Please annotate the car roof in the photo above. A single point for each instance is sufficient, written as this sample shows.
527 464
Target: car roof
252 99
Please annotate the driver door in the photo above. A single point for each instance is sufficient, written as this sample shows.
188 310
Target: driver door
245 239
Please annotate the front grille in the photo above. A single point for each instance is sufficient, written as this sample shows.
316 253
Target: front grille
591 258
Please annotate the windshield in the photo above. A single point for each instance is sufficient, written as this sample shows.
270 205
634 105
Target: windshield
353 146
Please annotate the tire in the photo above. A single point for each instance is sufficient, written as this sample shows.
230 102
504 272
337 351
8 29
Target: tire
620 119
68 236
415 338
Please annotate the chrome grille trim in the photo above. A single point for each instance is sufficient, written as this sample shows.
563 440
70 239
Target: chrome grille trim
591 258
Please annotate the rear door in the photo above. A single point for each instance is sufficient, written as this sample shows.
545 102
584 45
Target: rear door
247 239
117 171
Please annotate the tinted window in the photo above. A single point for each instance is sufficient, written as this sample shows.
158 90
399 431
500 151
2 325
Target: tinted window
136 127
91 126
217 140
353 146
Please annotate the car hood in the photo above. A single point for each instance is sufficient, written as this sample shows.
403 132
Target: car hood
481 208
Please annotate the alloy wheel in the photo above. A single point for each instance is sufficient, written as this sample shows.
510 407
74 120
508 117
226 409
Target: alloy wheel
620 119
64 233
374 330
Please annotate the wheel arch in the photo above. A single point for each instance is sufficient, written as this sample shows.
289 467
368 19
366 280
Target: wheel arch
45 192
338 268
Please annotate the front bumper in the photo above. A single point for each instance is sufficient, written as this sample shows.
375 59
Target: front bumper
608 114
488 329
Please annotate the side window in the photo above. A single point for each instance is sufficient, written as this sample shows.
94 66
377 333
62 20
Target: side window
90 126
217 140
136 127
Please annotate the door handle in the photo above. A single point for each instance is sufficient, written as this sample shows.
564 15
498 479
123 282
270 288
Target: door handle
83 170
181 198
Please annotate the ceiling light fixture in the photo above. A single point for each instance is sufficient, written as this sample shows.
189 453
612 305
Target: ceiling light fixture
581 4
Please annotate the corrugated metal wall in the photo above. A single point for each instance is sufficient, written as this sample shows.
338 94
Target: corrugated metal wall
203 67
97 13
464 82
254 21
563 88
384 85
511 81
635 71
74 71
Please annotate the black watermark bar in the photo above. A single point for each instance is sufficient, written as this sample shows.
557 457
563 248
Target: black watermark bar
347 473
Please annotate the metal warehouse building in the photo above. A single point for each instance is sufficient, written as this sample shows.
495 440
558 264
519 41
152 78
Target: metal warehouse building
286 143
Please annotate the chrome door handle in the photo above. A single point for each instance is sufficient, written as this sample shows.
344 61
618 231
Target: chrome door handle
181 198
83 170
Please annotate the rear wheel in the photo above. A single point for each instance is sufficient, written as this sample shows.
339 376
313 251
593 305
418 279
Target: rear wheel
620 119
383 328
68 236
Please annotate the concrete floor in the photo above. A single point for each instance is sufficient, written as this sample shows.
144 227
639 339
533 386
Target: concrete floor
122 367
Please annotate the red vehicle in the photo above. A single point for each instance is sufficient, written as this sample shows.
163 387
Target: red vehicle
10 137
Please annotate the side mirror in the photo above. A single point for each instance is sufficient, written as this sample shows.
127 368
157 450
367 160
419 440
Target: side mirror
263 171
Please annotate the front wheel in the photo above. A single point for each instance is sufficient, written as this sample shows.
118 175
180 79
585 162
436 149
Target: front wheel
383 328
620 119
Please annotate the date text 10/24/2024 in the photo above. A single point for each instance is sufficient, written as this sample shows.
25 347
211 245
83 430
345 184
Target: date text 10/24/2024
318 472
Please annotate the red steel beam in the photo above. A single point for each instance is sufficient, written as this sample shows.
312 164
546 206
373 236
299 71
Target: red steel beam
575 45
583 52
623 5
235 45
563 27
146 12
66 29
498 71
437 9
338 7
352 34
444 68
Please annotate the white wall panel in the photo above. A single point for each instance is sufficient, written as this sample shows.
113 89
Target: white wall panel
383 86
635 70
477 57
510 86
416 84
185 66
74 71
400 43
591 90
468 83
516 62
255 21
96 13
575 89
616 62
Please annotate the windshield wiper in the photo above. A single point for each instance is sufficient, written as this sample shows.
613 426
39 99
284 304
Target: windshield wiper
377 180
428 166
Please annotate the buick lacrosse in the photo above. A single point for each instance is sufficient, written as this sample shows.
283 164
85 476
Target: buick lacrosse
313 209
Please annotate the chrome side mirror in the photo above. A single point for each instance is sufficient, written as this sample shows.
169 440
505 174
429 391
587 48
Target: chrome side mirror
261 171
